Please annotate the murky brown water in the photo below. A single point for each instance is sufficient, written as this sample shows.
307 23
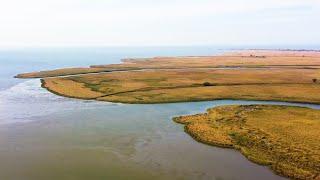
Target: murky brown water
44 136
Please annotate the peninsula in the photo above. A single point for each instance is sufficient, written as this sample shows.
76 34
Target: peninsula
284 138
248 75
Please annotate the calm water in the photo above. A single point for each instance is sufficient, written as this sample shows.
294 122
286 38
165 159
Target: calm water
44 136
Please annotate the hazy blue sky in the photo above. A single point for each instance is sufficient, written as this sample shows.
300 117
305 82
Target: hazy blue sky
162 22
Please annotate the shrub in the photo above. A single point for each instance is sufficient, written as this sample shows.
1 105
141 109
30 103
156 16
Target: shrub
207 84
314 80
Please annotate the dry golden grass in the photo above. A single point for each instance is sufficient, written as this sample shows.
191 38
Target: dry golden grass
59 72
284 138
69 88
283 59
301 53
217 61
178 79
185 77
162 86
292 93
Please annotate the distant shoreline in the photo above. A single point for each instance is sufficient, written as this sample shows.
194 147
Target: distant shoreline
275 49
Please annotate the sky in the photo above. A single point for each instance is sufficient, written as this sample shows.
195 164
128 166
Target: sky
158 23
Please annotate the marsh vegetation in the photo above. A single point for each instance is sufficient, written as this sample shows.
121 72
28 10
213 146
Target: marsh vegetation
282 137
163 86
281 76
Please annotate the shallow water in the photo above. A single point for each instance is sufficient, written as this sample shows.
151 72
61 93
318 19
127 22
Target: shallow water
44 136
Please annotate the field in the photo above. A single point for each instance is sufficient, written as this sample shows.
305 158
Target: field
180 85
244 59
282 137
254 75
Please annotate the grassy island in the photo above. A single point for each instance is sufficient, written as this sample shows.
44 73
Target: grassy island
282 137
250 75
